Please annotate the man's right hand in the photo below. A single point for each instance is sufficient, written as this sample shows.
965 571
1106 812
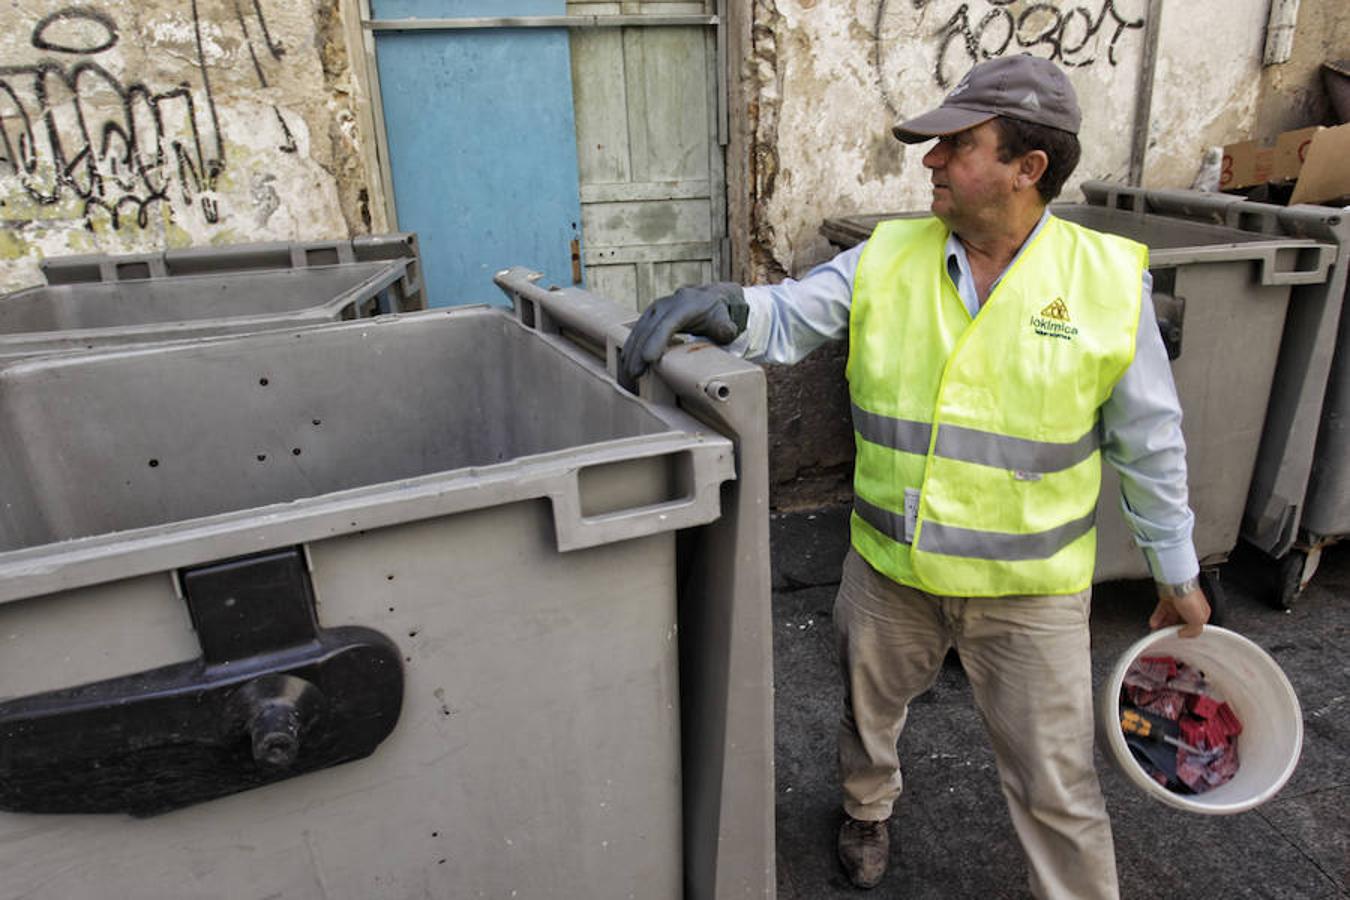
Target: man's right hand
715 311
1189 609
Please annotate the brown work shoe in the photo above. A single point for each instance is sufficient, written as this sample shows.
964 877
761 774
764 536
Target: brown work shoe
864 851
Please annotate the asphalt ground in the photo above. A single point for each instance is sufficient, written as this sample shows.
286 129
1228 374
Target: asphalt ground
951 836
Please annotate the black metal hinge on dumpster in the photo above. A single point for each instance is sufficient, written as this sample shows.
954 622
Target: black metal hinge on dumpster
272 696
1169 308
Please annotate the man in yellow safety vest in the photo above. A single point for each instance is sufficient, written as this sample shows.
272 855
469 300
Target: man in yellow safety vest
996 355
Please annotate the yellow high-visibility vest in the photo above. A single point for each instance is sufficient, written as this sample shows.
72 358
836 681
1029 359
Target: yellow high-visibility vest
978 463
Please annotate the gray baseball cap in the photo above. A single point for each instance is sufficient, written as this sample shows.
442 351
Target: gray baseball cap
1017 87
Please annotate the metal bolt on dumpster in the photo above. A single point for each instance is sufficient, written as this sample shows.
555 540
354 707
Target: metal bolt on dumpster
419 605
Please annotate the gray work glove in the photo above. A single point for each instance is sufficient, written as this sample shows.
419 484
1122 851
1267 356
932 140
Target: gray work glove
716 311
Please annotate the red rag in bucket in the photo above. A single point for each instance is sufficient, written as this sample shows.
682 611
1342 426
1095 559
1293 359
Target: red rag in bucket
1202 706
1224 768
1161 663
1193 730
1168 704
1175 691
1150 673
1232 724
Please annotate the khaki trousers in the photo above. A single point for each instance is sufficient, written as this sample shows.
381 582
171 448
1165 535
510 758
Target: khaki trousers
1028 662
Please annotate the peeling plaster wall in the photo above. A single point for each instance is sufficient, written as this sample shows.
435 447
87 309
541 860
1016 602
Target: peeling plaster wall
831 76
1205 91
1293 94
134 127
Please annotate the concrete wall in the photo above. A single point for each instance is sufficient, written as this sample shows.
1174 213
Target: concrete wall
137 126
823 80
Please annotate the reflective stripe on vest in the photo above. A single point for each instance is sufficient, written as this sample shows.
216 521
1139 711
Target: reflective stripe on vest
973 445
898 434
951 540
986 428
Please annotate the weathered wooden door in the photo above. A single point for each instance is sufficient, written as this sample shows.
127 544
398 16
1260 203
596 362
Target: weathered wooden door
578 138
649 145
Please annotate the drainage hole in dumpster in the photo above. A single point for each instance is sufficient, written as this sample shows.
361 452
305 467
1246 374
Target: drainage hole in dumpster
262 381
412 633
295 451
316 422
262 457
389 578
154 463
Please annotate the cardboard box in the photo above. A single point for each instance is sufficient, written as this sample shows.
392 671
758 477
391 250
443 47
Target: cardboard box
1249 163
1246 163
1291 149
1325 174
1315 157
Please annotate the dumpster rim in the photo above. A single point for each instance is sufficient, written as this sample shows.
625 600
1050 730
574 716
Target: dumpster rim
24 343
68 564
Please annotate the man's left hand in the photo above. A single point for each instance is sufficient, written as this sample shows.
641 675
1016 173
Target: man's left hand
1192 608
716 311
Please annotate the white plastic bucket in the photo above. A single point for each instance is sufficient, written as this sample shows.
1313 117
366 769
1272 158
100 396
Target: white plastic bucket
1256 689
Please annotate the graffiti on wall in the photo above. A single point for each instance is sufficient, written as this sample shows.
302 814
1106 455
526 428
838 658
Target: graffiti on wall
73 132
1073 34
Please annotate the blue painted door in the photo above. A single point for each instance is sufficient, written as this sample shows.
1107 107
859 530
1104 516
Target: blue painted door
482 144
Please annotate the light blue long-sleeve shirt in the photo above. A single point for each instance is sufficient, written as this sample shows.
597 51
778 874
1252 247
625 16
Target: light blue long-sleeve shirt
1141 420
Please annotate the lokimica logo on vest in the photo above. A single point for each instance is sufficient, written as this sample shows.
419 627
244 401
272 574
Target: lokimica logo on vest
1054 322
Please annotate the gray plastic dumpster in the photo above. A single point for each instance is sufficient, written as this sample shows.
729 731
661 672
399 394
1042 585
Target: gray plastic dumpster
419 605
1302 479
1221 296
1326 516
99 301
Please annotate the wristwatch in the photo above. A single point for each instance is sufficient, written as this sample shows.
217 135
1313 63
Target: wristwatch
1178 589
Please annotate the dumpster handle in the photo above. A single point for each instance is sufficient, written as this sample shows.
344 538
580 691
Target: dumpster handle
1310 265
1114 196
707 467
98 267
